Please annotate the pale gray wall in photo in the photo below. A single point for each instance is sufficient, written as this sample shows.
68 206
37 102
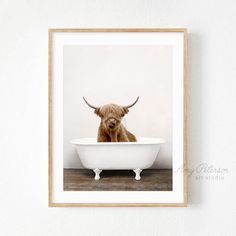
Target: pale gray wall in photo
23 126
118 74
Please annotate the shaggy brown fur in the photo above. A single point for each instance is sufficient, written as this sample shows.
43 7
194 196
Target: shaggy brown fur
111 129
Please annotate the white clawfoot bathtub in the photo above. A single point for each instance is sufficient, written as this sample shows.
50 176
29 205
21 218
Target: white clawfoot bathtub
135 156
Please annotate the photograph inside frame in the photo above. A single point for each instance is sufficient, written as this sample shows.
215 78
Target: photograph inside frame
117 117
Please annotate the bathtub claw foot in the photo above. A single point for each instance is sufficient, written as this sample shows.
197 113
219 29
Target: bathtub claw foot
137 173
97 173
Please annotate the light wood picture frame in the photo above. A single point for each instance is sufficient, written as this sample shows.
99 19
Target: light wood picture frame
73 54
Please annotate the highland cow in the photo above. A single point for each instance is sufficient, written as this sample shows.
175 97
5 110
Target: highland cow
111 128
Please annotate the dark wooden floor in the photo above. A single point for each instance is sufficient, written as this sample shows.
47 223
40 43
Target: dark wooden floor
117 180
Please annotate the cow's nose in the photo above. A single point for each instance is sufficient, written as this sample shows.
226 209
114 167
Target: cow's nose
111 123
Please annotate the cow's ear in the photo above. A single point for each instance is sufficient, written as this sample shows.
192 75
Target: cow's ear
97 111
124 111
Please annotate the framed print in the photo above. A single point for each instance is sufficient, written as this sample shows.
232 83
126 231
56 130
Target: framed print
117 117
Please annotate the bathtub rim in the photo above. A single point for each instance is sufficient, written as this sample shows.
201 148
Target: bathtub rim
146 141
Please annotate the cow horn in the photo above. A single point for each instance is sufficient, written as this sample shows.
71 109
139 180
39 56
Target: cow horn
132 103
90 104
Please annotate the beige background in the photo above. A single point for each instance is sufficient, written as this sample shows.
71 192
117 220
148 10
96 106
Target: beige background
24 117
118 74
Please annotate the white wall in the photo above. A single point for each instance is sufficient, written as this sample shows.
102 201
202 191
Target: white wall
118 74
23 126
